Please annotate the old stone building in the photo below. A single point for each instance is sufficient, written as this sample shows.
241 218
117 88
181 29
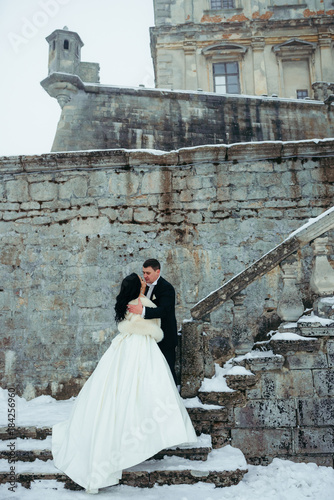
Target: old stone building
243 47
112 117
228 219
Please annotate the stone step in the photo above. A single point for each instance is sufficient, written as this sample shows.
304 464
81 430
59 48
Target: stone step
309 330
260 362
283 347
169 471
235 398
45 455
141 479
241 382
29 450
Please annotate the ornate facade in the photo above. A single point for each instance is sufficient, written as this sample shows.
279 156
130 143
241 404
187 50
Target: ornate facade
267 47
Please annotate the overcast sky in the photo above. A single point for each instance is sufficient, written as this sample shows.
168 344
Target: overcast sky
115 34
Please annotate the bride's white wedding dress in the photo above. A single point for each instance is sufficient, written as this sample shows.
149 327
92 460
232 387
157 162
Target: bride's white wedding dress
128 410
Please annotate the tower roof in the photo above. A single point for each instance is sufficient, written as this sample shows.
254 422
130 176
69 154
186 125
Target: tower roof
66 32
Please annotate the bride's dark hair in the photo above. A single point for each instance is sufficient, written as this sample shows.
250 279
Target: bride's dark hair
130 289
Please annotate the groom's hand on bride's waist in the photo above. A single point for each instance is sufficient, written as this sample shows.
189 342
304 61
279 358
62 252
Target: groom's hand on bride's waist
136 308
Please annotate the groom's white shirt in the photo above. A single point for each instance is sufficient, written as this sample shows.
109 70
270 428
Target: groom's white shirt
149 294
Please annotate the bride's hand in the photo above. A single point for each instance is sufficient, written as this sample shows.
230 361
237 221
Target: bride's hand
143 286
136 308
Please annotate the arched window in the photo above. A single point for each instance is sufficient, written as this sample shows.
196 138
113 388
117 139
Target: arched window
66 45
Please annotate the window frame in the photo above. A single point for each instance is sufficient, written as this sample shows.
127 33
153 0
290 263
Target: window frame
221 5
302 91
226 74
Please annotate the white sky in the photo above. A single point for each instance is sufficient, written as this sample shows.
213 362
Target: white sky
115 34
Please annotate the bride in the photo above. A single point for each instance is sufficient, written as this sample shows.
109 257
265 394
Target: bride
129 409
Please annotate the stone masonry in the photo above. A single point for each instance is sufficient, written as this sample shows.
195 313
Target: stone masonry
112 117
73 224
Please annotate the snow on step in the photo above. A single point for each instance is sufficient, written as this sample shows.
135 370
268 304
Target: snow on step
203 441
222 459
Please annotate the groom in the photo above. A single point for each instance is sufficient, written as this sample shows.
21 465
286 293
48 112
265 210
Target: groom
162 294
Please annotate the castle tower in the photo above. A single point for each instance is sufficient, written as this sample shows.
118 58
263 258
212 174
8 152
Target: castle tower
64 51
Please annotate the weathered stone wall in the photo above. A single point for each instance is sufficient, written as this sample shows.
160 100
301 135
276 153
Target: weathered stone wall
289 410
173 12
111 117
73 224
284 408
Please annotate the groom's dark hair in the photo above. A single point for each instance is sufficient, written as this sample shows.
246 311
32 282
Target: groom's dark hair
154 263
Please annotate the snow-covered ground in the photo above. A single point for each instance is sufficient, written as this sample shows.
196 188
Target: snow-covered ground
281 480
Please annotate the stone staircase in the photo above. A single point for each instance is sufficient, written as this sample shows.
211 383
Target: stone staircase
285 408
34 458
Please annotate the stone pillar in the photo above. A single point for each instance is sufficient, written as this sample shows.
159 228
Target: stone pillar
326 58
190 66
290 306
259 69
192 358
322 277
242 339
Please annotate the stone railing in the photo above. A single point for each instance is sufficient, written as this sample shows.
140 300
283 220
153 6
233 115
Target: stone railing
290 305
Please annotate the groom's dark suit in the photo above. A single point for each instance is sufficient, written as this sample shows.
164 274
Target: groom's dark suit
163 297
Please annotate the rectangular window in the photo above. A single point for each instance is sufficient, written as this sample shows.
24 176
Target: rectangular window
301 94
222 4
226 78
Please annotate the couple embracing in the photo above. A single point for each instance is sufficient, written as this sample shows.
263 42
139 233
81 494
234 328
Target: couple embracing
129 409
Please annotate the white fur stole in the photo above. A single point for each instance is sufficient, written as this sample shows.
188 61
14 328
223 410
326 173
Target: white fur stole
135 324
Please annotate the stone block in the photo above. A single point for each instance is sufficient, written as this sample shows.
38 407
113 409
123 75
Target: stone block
192 367
143 215
159 181
266 413
142 157
313 440
222 398
293 346
91 226
200 153
330 353
206 194
17 190
315 412
12 216
254 151
43 191
294 384
223 194
316 331
305 360
241 382
265 363
239 193
268 385
263 442
75 187
324 382
123 184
